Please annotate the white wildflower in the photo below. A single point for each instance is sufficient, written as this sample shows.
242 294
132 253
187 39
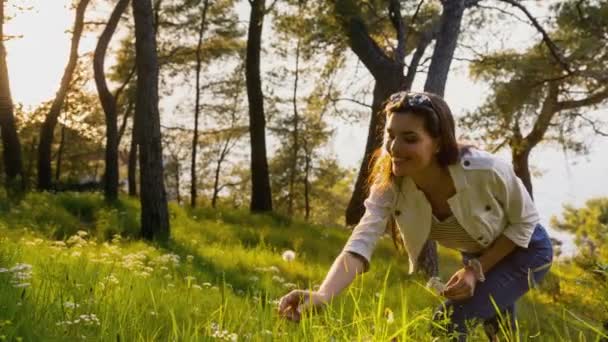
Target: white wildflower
288 255
278 279
70 305
22 285
189 258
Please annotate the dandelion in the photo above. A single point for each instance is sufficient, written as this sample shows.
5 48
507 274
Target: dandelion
288 255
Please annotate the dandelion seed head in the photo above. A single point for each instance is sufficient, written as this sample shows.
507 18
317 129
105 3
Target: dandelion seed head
288 255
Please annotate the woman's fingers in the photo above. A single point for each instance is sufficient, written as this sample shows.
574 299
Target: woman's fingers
291 305
452 280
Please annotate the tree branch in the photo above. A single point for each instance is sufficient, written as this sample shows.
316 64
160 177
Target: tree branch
550 44
394 12
368 51
591 122
588 101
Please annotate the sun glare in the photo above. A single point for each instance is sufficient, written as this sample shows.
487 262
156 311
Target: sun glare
37 57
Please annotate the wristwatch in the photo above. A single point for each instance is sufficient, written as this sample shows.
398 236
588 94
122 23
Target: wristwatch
474 265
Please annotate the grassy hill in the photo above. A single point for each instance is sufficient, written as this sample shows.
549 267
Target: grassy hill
72 269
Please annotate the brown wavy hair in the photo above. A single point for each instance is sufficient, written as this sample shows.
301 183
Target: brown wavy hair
438 123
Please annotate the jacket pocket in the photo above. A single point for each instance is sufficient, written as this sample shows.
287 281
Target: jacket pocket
489 217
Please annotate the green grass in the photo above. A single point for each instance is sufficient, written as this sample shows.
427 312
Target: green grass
72 268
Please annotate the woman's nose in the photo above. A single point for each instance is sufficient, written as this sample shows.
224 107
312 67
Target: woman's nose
394 147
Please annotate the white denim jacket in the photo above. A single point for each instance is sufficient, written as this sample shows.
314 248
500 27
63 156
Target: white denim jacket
490 200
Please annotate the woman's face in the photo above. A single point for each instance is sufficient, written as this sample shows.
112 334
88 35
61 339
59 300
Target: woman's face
411 147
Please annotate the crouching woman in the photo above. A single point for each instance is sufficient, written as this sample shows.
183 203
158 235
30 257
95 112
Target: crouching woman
463 198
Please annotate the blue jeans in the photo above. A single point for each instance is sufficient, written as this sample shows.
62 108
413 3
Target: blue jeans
506 282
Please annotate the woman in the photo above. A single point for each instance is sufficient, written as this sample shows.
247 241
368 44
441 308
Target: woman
462 198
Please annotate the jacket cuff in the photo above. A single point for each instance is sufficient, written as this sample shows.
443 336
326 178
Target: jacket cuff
520 234
359 253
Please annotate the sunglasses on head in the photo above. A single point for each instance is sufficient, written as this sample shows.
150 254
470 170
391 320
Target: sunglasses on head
407 100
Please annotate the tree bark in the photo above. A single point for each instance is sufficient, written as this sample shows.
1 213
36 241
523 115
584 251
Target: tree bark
108 102
261 197
154 211
307 168
295 137
60 154
449 30
132 166
197 107
48 126
11 147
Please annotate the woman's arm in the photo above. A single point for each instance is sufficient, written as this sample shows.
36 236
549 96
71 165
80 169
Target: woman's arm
343 271
496 252
341 274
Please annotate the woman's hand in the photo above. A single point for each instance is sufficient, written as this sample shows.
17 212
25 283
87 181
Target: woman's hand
461 285
295 302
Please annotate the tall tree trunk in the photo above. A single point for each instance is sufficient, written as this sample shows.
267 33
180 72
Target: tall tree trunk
522 167
108 102
154 211
132 166
197 106
307 168
125 118
48 126
296 147
449 30
216 179
261 197
11 147
60 154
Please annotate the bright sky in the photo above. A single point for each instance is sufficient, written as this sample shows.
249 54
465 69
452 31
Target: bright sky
37 60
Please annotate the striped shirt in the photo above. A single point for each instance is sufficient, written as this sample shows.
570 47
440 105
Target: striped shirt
449 233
